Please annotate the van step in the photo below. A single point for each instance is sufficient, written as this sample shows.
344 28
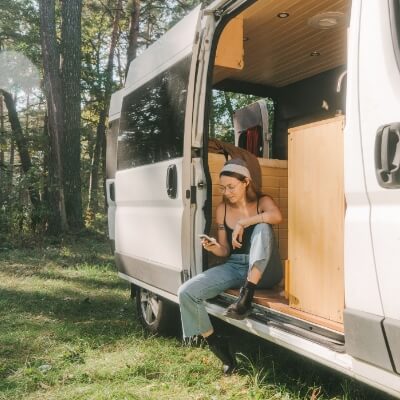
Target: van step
315 333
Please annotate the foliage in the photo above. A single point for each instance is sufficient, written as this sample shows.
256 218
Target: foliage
221 121
19 31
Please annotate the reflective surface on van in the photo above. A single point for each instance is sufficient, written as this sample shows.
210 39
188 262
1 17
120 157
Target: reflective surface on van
152 119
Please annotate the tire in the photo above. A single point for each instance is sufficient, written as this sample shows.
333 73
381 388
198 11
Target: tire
156 314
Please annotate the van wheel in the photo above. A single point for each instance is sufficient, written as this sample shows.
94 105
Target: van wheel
156 314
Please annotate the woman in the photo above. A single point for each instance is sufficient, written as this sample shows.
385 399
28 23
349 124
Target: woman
244 233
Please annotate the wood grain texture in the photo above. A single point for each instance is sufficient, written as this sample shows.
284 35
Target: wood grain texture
230 52
275 299
316 218
277 51
274 183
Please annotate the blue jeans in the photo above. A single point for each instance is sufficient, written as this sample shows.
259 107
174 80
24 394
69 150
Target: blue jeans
232 274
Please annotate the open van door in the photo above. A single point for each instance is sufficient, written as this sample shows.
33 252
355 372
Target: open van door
378 78
152 182
111 161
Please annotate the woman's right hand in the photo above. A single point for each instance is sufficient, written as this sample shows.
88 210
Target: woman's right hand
212 247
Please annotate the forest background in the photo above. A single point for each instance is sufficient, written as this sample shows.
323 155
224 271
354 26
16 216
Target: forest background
60 62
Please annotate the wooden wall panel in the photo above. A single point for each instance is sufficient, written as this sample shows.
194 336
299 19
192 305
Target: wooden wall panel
316 218
230 52
274 183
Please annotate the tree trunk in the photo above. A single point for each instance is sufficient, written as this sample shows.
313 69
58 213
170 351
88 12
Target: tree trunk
71 12
2 164
133 32
22 147
53 87
11 167
212 118
229 106
101 127
50 195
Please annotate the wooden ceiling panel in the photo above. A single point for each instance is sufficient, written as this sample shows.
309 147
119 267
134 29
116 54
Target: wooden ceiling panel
277 51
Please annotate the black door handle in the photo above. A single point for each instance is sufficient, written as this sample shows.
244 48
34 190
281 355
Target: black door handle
172 181
387 156
112 191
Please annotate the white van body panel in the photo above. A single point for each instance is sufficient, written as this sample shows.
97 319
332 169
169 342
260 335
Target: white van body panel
115 105
151 288
361 286
146 206
341 362
110 210
379 99
173 46
152 229
372 222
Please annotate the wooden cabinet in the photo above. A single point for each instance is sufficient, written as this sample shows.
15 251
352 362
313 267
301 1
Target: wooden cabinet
316 218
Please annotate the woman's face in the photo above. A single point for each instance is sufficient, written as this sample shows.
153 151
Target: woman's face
232 188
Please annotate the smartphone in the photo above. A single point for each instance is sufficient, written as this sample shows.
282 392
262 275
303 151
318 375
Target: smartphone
206 237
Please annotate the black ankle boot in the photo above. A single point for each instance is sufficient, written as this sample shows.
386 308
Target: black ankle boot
241 308
221 348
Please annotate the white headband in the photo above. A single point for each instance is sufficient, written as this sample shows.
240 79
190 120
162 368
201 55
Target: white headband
239 169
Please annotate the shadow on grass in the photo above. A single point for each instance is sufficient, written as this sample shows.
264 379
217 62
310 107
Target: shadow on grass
65 318
90 282
269 364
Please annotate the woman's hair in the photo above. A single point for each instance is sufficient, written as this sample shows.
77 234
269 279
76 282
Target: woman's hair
232 167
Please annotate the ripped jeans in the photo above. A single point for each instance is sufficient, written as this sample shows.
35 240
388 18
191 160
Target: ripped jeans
263 255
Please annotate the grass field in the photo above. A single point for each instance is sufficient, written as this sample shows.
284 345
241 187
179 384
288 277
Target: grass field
68 331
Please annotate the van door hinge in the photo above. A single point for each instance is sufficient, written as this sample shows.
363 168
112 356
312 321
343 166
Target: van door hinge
185 275
193 195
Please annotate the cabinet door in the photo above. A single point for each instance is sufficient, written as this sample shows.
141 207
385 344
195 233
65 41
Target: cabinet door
316 218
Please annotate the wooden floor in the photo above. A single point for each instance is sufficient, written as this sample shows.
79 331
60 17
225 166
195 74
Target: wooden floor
275 300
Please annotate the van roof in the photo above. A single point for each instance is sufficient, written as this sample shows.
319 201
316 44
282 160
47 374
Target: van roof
114 111
172 47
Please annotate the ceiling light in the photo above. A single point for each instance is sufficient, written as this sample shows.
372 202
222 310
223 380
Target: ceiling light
315 53
283 15
327 20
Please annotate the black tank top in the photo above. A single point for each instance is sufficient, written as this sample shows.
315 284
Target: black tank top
245 249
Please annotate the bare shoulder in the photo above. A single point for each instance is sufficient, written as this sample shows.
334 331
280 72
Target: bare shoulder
267 203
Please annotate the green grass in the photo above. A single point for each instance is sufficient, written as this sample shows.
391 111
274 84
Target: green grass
68 331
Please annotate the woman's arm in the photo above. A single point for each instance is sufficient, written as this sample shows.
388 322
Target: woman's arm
221 247
269 214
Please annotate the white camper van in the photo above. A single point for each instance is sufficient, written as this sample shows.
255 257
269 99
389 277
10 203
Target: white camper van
330 159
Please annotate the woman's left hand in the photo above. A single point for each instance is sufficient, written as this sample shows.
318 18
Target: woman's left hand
237 236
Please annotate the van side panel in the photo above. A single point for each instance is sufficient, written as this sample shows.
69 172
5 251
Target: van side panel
361 287
174 45
147 216
380 105
374 79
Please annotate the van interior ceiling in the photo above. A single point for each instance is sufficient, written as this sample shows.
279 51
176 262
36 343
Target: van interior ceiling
294 53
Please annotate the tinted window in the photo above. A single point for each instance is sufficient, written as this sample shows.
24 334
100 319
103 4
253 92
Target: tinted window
395 22
152 119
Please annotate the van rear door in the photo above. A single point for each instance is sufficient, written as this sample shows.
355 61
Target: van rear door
152 184
111 160
379 108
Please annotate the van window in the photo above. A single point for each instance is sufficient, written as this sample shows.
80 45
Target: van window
152 119
395 22
224 105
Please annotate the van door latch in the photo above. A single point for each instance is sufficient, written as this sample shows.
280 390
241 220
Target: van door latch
387 156
172 181
201 185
